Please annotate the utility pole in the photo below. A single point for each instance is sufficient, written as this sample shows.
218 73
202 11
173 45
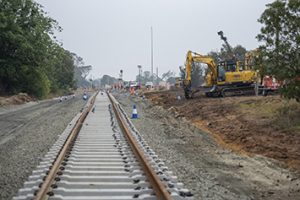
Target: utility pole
121 84
121 75
139 81
156 75
91 79
152 54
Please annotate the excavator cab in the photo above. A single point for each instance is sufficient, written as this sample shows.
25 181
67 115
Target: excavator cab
221 73
223 70
234 72
232 77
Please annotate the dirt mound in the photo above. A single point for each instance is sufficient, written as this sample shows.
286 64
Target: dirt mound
18 99
267 126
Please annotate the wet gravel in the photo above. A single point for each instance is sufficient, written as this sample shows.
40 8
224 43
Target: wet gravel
26 135
208 170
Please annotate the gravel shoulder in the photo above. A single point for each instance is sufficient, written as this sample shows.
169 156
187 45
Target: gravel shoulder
26 135
207 169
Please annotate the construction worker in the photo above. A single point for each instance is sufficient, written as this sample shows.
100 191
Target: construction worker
132 90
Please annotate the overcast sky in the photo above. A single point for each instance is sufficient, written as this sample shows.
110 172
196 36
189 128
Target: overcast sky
115 34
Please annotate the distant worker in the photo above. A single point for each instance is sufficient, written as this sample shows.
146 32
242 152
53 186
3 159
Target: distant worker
85 97
132 92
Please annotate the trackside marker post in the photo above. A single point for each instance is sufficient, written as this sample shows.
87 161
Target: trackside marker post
134 113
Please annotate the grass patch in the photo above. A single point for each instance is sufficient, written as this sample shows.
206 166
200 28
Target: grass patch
280 113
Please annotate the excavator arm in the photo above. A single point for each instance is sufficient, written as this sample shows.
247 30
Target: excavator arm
195 57
191 58
210 63
187 82
229 49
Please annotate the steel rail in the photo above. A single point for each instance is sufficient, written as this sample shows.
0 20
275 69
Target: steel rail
158 187
46 185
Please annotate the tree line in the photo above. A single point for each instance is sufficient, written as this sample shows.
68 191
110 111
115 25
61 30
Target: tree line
280 53
31 59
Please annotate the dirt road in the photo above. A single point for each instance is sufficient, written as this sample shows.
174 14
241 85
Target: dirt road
208 169
27 133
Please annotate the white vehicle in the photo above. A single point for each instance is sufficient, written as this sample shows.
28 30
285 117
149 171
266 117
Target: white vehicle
107 87
133 84
149 85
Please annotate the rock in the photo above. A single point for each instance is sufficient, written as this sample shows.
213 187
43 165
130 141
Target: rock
178 115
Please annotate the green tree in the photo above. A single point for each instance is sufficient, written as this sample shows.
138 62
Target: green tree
30 59
171 80
167 75
281 37
108 80
25 40
81 71
238 51
145 77
197 77
216 56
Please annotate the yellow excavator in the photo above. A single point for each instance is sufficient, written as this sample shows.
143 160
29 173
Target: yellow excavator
229 77
225 79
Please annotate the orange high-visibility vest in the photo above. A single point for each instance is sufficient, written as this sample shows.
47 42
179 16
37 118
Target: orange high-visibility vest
132 90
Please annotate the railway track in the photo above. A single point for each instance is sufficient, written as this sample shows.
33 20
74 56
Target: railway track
101 155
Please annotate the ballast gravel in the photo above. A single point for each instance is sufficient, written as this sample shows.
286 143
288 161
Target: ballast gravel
207 169
26 135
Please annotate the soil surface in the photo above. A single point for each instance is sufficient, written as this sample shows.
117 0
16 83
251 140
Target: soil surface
18 99
268 126
187 136
27 133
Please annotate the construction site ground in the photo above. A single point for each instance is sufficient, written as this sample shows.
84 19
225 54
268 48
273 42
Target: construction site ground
27 132
268 126
223 148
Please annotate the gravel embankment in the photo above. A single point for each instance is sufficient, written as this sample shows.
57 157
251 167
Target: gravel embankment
206 169
26 135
